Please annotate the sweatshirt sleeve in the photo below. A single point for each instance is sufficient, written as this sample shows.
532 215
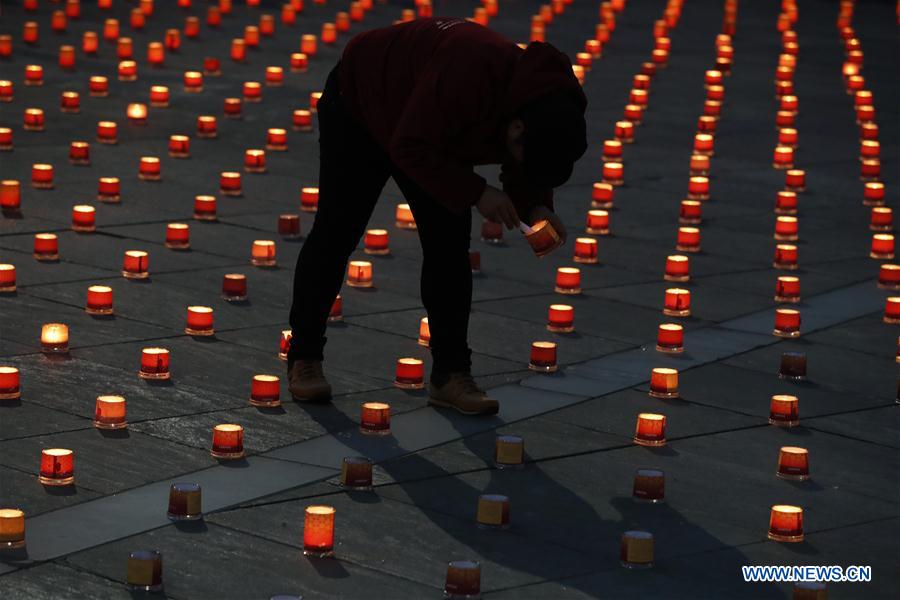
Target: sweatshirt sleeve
524 196
443 105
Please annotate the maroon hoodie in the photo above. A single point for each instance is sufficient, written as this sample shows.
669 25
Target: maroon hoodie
437 95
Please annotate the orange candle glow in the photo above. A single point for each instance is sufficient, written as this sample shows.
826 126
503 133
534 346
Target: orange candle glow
786 523
55 338
255 161
785 257
57 467
376 242
6 139
299 62
108 189
892 310
309 199
664 381
873 194
787 322
677 302
793 463
207 126
238 50
613 173
690 213
688 239
99 300
70 102
586 251
888 277
314 98
179 146
46 247
336 314
205 208
677 268
602 195
542 238
33 119
228 441
67 57
230 183
698 188
98 86
650 430
135 265
410 374
154 363
212 66
318 531
375 418
265 391
10 195
543 357
156 54
178 236
670 339
624 131
127 70
786 203
597 222
252 91
786 228
703 144
9 383
80 153
568 280
359 274
12 528
308 44
561 318
276 139
251 36
42 176
109 412
6 90
262 253
83 218
302 120
150 169
787 289
783 157
612 150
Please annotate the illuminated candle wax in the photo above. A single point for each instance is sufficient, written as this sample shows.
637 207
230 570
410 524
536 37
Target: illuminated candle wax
57 467
375 418
337 310
46 247
624 131
542 238
234 287
55 338
9 383
289 226
98 86
144 571
888 277
786 523
568 280
787 322
703 144
561 318
265 391
359 274
12 528
492 511
613 173
649 485
784 411
42 176
302 120
238 50
193 81
107 132
33 119
252 91
135 265
70 103
80 153
585 251
636 550
543 357
276 139
199 321
34 75
127 70
376 242
786 228
688 239
713 77
356 473
410 374
650 430
149 169
463 579
793 463
99 300
602 195
892 310
669 339
255 161
882 246
30 32
108 189
318 531
251 36
228 441
109 412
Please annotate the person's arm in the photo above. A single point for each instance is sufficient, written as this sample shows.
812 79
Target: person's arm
525 197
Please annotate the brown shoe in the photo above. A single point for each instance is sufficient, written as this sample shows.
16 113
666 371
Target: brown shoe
307 382
460 392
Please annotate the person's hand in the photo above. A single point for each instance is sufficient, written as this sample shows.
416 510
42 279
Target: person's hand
541 212
494 205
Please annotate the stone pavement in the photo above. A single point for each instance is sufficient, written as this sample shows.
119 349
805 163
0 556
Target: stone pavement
572 501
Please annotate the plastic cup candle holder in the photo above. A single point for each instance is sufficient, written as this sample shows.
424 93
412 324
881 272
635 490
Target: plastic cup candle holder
424 332
299 62
795 180
568 280
252 91
707 124
786 228
624 131
888 277
785 257
309 199
205 208
892 310
787 136
690 213
228 441
612 150
154 363
150 169
12 529
265 391
46 247
308 44
561 318
6 90
193 81
869 169
543 357
463 581
70 103
375 418
359 274
10 195
83 218
255 161
207 127
234 287
199 321
698 188
663 380
144 571
135 265
602 195
34 75
491 233
636 550
786 523
585 251
784 411
786 202
212 66
882 246
410 374
869 149
541 236
787 289
9 383
492 512
376 242
677 302
107 132
179 146
99 300
57 467
42 176
649 486
704 144
356 473
33 119
276 139
302 120
251 36
793 463
613 173
230 183
318 531
336 314
185 502
109 412
597 222
787 323
127 70
80 153
55 338
688 239
289 226
670 340
159 98
650 430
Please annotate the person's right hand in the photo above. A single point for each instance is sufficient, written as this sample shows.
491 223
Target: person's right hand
494 205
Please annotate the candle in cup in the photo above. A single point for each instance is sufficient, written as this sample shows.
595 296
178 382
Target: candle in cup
99 300
179 146
107 132
178 236
543 357
318 531
688 239
650 430
359 274
12 528
786 228
238 50
255 161
135 265
6 139
786 203
568 280
882 246
228 441
785 257
787 136
784 411
410 374
109 412
42 176
636 550
795 180
289 226
888 277
232 107
892 310
302 120
669 339
34 75
585 250
193 81
542 238
284 344
649 486
9 383
154 363
561 318
207 127
613 173
80 153
869 169
463 580
492 511
356 473
664 381
265 391
624 131
786 523
127 70
185 502
55 338
698 188
276 139
703 144
205 208
46 247
424 332
336 313
308 44
299 62
376 242
787 322
597 222
199 321
612 150
869 149
57 467
252 91
150 169
33 119
10 195
6 90
83 218
309 199
793 463
230 183
69 103
602 195
375 418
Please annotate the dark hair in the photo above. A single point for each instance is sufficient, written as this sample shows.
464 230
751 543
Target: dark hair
555 137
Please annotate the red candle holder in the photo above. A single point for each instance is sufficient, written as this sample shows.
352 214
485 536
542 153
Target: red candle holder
691 213
359 274
70 103
636 550
185 502
289 226
79 153
793 463
613 173
602 195
299 62
329 33
793 366
612 150
57 467
785 257
205 208
670 339
698 188
786 523
9 384
892 310
318 531
255 161
376 242
199 321
787 136
302 120
262 253
592 47
265 391
308 44
356 473
543 357
869 149
98 86
715 93
6 90
178 236
207 126
238 50
125 49
703 144
786 228
688 239
568 280
46 247
463 580
649 486
127 70
869 169
34 75
6 139
228 441
212 66
624 131
99 300
156 54
597 222
375 418
111 30
712 108
149 169
135 265
109 412
783 157
786 203
33 119
677 268
233 107
284 345
179 146
677 302
10 195
42 176
585 251
83 218
251 36
213 16
309 199
561 318
107 132
252 91
234 288
787 323
882 246
336 314
266 23
154 363
664 381
108 189
230 183
707 124
276 139
888 277
787 289
713 77
410 374
650 430
492 512
191 27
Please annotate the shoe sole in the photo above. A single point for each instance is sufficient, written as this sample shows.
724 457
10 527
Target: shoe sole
468 413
